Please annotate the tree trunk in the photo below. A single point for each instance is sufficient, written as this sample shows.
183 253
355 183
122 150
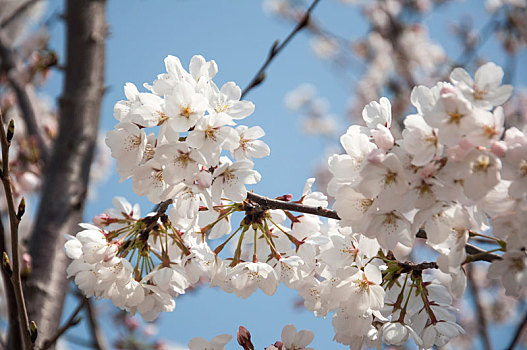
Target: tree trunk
67 171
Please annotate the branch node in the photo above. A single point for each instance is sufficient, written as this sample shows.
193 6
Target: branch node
21 209
6 264
10 131
33 331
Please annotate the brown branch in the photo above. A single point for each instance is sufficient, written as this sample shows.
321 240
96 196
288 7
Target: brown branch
151 221
268 203
482 323
278 47
470 51
14 336
518 333
24 93
66 176
72 321
99 343
409 266
17 12
14 221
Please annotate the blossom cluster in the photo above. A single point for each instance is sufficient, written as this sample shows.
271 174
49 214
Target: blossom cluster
453 174
195 122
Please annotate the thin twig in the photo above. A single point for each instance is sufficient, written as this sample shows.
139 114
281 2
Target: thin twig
14 324
99 343
151 221
24 94
268 203
482 323
518 333
483 35
277 48
409 266
14 220
71 322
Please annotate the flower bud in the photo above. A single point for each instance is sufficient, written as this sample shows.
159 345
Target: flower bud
101 220
27 264
376 156
382 137
204 180
244 338
499 148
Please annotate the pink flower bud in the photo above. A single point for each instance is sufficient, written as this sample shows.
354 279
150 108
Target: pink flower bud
447 89
131 323
101 220
376 156
427 171
499 148
285 197
382 137
27 264
204 180
244 338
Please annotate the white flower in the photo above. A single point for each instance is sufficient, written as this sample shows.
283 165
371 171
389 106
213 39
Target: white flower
247 277
210 135
382 173
217 343
201 72
389 228
485 90
171 279
287 270
149 179
420 140
515 168
452 116
364 289
489 127
293 340
231 178
440 333
249 145
141 108
481 175
511 270
184 107
180 162
382 137
227 101
376 113
155 301
127 143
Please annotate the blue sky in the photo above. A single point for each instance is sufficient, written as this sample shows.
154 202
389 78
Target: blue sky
237 34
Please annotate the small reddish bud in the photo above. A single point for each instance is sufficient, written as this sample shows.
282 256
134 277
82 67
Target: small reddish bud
285 197
27 264
499 148
244 338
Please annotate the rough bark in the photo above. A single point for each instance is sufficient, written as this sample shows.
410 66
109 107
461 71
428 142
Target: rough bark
66 178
